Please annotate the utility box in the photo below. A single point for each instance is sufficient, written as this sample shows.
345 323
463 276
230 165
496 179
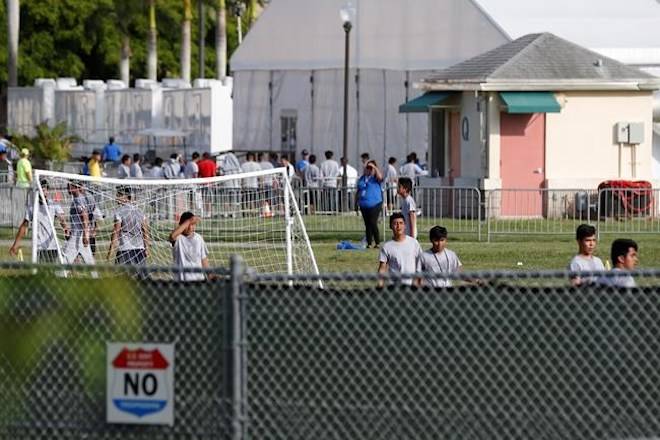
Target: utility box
621 132
629 133
636 133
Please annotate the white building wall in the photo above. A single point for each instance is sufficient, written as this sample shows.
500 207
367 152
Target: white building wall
580 145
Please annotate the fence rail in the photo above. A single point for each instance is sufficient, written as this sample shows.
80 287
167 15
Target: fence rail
470 212
516 356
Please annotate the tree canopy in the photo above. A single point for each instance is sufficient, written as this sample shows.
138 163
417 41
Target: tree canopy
82 38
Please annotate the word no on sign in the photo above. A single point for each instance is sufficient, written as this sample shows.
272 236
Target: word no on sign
140 383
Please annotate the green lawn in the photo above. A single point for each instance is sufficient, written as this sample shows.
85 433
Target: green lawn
503 252
535 253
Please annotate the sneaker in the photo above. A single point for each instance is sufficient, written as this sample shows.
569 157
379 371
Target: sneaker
376 246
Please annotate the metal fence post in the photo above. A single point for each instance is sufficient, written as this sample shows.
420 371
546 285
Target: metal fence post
234 377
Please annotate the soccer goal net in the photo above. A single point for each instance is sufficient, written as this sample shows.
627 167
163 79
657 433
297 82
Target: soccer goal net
83 219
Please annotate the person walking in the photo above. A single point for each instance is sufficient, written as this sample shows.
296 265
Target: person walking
369 200
111 151
24 170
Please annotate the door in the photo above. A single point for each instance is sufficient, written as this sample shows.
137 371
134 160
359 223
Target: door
288 132
522 164
454 146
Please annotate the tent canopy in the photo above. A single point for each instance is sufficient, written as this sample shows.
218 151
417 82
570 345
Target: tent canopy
387 34
434 34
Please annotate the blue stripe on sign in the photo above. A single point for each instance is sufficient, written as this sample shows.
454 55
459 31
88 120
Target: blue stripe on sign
140 408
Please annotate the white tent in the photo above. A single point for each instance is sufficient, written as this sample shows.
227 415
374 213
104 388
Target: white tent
288 73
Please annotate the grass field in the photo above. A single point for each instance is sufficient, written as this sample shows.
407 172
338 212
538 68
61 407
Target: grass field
535 252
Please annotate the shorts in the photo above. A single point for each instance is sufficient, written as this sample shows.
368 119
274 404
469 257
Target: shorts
131 257
74 247
48 256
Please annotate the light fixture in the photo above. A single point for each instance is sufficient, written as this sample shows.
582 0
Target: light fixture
347 13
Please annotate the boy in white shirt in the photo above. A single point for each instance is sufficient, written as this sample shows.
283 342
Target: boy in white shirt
624 257
439 259
189 248
402 254
585 235
408 206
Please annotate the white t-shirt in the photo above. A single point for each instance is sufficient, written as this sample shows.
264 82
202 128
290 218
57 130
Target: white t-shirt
45 233
157 172
411 170
402 257
189 252
248 167
581 263
407 206
123 172
265 165
329 173
442 262
191 170
622 280
171 169
391 176
136 171
130 233
351 175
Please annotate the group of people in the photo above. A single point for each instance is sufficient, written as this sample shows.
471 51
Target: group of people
403 256
130 241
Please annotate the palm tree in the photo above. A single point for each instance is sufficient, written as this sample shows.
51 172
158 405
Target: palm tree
185 40
124 13
152 43
13 24
221 39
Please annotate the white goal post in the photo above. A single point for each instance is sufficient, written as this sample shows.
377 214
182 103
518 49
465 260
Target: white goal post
128 221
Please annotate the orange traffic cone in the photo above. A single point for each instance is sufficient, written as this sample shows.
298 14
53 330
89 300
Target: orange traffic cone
265 210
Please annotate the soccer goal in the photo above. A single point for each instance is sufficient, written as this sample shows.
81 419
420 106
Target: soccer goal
116 221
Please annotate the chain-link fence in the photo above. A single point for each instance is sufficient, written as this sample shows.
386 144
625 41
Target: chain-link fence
53 334
495 356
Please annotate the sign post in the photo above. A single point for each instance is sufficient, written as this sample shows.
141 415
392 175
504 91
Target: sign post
140 383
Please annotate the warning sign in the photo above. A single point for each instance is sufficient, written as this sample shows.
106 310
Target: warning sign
140 383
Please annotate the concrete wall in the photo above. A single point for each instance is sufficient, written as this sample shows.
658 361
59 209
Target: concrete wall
580 145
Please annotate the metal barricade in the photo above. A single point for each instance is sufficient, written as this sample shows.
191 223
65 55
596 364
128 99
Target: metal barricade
13 202
628 211
539 211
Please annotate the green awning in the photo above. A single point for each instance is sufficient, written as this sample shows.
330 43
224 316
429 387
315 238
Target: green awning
530 102
422 103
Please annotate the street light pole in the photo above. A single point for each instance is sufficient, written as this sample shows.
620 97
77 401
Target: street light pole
347 14
239 9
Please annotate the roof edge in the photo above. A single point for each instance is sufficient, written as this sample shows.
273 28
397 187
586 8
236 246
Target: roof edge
559 85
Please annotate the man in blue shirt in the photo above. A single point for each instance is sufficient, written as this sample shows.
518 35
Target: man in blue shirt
302 163
111 151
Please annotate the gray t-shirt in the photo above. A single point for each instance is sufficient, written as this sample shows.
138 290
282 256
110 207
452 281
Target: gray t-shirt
191 170
442 262
581 263
136 171
79 205
189 252
171 169
130 233
402 257
329 172
123 172
312 175
622 280
45 220
407 206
